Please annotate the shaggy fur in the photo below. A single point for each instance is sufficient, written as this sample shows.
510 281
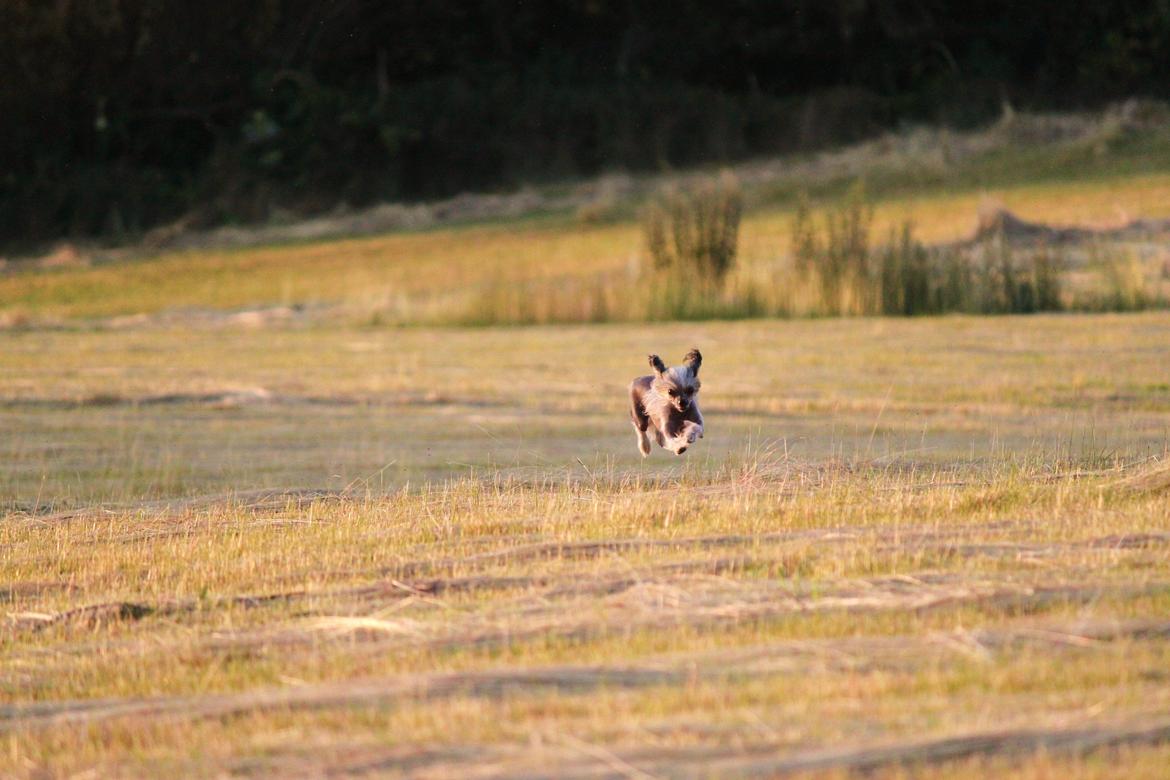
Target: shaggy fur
666 405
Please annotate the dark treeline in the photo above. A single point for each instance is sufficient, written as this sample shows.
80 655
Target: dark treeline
117 115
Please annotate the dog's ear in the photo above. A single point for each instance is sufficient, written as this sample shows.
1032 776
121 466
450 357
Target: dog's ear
693 360
657 364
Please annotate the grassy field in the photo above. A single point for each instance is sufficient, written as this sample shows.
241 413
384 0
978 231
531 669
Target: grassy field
268 512
905 547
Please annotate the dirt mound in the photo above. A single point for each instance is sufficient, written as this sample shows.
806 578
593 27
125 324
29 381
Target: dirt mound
64 255
1001 223
998 223
1155 479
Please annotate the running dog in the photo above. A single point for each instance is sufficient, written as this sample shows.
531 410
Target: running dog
666 405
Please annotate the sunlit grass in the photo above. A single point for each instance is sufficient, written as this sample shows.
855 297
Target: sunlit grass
854 622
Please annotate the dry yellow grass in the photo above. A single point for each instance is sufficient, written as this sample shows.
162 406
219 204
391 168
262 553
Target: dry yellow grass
773 613
906 547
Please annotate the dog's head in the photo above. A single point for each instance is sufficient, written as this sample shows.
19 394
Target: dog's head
679 384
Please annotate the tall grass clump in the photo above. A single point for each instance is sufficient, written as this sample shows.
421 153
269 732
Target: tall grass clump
1008 281
909 283
692 242
840 272
1124 287
834 263
694 233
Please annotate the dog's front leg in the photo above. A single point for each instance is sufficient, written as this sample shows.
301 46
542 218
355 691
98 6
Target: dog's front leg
687 435
693 427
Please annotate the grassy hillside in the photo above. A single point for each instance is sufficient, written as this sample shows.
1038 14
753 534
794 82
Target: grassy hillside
1092 174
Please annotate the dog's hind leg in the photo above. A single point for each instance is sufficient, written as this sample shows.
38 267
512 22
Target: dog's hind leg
643 441
639 418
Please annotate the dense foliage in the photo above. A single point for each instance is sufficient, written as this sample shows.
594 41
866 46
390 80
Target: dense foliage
121 114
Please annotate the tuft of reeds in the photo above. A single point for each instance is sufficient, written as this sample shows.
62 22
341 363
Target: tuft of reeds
694 232
840 273
1125 283
1007 281
836 261
909 280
